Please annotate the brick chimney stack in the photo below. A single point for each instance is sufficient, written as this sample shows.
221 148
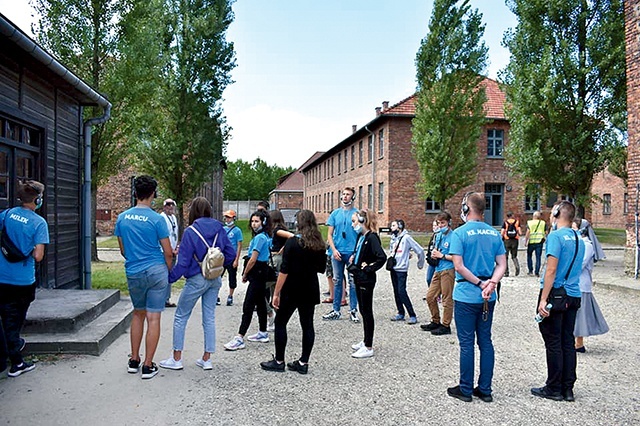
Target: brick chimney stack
378 111
385 105
354 128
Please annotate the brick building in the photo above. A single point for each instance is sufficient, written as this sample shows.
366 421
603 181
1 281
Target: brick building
376 160
610 205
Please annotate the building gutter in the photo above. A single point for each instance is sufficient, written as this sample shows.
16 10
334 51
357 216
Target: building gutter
14 34
373 168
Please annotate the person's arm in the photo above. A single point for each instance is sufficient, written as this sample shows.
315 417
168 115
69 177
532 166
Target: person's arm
121 247
167 251
489 286
252 261
284 234
275 301
335 253
417 248
549 278
238 252
38 252
526 236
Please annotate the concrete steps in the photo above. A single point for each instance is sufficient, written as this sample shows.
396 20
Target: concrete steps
75 321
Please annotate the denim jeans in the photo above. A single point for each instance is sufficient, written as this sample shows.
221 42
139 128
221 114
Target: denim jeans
399 282
148 289
14 303
195 288
339 267
537 248
430 271
469 325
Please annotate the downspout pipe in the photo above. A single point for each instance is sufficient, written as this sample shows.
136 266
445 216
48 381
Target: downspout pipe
373 168
86 194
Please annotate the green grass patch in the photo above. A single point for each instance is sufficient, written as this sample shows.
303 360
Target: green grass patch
616 237
111 242
111 276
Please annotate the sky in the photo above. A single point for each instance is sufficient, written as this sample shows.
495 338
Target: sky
308 70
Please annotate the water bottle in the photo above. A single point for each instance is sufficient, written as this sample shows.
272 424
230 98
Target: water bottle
539 317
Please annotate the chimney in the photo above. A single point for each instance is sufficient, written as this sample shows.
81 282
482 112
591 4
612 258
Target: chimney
378 111
385 105
354 128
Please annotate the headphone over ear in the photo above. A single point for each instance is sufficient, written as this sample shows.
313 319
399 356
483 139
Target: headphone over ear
264 221
400 223
361 218
464 207
556 209
38 199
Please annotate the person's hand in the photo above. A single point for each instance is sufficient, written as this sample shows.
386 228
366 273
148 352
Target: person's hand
235 264
336 255
487 289
275 301
542 309
244 279
435 254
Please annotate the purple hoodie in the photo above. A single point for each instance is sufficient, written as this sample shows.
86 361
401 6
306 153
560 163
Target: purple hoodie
191 243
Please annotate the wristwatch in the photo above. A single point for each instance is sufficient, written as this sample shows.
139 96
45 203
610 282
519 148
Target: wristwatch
479 283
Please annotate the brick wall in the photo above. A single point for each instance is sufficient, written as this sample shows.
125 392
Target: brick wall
605 183
632 36
113 198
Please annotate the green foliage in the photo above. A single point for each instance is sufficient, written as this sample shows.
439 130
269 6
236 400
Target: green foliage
618 162
565 89
450 99
252 181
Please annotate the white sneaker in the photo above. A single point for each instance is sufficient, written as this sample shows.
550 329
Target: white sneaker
357 346
363 352
205 365
354 316
260 337
171 364
235 344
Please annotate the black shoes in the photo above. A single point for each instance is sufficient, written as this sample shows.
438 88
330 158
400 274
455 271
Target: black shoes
546 393
441 331
486 397
272 365
149 371
581 349
134 366
296 366
455 392
568 395
430 327
23 367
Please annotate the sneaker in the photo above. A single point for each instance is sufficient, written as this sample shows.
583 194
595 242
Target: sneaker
412 320
271 321
486 397
430 327
397 317
218 302
23 367
272 365
260 337
529 274
298 366
333 315
229 300
455 392
441 331
235 344
149 372
544 392
205 365
134 366
354 316
171 364
363 352
357 346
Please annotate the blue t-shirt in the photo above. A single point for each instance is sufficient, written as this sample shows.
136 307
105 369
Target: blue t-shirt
235 235
443 243
561 244
141 230
260 243
26 229
344 237
478 244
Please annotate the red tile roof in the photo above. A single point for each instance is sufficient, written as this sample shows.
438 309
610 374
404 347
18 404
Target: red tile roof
294 181
494 107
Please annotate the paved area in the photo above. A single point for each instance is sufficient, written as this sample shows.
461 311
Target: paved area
405 383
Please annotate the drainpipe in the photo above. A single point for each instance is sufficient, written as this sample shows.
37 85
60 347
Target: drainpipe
86 194
373 168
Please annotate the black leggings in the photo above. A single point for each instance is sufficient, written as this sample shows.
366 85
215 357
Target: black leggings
305 312
254 298
365 301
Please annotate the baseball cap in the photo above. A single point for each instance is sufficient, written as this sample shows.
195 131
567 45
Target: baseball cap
169 202
229 213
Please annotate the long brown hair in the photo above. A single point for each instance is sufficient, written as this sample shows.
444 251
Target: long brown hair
310 235
370 220
200 207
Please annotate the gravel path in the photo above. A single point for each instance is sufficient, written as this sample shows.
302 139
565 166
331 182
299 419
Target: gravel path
405 383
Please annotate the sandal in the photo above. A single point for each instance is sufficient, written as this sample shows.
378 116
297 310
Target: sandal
328 300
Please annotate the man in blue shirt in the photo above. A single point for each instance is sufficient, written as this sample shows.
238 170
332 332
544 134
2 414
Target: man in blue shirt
235 236
29 232
143 237
480 262
565 251
342 243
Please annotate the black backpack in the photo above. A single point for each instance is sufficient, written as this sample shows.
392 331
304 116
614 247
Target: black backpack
10 251
512 232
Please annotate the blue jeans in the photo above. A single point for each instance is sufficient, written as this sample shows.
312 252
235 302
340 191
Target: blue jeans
537 248
399 282
148 289
430 271
339 267
195 288
469 325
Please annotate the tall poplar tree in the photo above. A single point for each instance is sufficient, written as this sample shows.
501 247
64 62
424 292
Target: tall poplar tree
450 99
566 91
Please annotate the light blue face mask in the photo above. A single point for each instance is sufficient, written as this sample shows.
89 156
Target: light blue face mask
358 228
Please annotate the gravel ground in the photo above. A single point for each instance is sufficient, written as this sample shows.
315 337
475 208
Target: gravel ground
405 383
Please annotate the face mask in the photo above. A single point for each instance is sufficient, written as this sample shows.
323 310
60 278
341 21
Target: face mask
347 203
395 231
358 228
230 223
258 229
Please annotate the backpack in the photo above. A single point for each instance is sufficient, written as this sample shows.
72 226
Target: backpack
512 232
212 264
9 249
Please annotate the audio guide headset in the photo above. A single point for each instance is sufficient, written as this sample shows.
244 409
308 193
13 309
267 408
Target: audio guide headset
400 223
362 216
464 207
556 209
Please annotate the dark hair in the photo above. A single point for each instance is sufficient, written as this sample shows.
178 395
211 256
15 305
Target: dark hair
265 221
200 207
145 186
443 215
509 214
264 204
277 219
29 190
565 209
310 236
